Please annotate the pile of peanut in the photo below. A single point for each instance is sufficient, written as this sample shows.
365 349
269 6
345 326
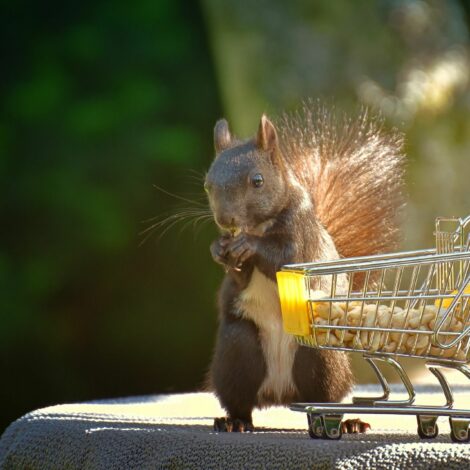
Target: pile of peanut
355 314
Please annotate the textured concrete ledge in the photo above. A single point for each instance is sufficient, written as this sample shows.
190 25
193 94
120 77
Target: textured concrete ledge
174 431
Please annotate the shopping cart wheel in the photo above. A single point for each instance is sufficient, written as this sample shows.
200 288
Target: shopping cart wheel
427 427
459 429
315 426
332 426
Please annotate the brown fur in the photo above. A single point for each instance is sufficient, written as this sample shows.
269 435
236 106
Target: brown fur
331 188
354 170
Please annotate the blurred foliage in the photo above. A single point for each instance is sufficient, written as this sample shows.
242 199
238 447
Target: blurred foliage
102 100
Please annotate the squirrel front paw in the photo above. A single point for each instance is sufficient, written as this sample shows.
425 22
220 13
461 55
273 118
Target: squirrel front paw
233 252
240 249
218 250
232 425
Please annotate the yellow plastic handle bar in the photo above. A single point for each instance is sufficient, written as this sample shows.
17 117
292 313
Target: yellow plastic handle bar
294 305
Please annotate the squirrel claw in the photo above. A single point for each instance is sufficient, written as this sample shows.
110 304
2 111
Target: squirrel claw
354 426
232 425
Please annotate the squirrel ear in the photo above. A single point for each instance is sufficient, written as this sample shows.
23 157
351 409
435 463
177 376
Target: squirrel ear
266 139
222 136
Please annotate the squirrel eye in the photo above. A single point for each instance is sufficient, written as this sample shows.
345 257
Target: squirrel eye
257 180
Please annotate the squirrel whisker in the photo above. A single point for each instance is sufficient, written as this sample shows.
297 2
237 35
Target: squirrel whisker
176 196
173 219
181 214
183 211
193 222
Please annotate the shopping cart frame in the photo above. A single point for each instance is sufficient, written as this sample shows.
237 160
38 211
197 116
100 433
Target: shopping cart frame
450 262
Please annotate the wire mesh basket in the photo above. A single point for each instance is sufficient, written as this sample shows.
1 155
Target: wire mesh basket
408 304
414 304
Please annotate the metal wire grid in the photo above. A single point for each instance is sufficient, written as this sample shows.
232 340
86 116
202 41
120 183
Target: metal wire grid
419 280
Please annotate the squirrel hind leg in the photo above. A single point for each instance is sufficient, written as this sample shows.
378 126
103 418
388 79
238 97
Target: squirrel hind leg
237 371
228 424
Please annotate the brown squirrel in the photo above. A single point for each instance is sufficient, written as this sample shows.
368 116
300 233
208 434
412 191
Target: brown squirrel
310 188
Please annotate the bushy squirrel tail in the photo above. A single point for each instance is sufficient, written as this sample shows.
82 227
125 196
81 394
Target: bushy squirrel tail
356 179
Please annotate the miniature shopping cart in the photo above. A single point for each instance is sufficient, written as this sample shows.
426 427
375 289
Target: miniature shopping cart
409 304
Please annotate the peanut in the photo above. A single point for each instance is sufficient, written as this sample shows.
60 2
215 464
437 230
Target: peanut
358 314
385 317
344 335
353 317
376 341
418 341
390 347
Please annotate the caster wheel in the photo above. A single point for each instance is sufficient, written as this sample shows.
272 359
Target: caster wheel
427 427
332 426
315 426
459 430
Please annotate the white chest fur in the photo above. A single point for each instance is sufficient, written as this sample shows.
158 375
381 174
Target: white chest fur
259 302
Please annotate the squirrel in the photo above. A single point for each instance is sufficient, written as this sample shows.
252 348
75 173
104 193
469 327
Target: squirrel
308 188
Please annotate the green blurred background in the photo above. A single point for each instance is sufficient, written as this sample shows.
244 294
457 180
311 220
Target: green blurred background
102 101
